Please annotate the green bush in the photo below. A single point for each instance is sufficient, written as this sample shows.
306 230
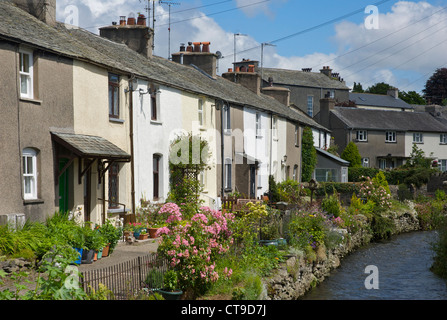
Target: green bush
341 188
351 154
357 174
331 204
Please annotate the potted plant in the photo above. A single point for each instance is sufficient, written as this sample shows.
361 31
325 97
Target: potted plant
94 241
143 234
111 235
171 289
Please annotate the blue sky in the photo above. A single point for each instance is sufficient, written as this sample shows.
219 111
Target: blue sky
404 49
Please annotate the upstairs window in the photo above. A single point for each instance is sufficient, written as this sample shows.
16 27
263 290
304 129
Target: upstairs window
200 113
29 167
114 97
443 138
227 119
297 136
155 112
362 135
26 74
275 128
390 136
418 137
310 106
258 125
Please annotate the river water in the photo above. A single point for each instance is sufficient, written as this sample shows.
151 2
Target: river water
402 272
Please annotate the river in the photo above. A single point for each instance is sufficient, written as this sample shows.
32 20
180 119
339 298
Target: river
403 272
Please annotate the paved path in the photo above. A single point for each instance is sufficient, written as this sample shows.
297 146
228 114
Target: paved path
123 252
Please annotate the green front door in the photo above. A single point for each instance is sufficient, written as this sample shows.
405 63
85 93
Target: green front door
63 187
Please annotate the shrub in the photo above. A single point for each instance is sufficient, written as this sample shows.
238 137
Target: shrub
331 204
351 154
308 155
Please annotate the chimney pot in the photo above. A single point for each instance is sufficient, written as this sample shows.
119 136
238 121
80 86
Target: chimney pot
251 68
189 47
141 20
182 47
206 46
122 20
197 46
230 69
131 20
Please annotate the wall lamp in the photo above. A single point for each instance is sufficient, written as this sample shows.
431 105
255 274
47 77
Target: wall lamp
149 91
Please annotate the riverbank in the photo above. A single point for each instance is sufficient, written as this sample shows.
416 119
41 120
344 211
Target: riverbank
296 276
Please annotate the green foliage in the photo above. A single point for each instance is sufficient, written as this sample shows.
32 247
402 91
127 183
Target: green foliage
273 190
331 204
357 174
308 155
170 280
380 180
307 229
290 191
412 97
111 234
439 266
351 154
248 227
418 158
379 88
435 91
382 227
342 188
357 88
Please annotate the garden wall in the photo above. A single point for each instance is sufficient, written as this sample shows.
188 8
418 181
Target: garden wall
296 276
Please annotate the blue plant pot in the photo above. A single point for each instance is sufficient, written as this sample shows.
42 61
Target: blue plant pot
78 261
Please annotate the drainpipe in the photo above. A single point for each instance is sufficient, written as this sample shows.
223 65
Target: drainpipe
132 160
222 155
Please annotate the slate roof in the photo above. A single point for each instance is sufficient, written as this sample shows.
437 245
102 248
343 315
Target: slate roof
370 119
88 146
301 78
17 25
378 100
333 157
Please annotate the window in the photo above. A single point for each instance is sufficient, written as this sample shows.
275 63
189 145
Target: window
418 137
227 173
258 125
365 162
114 98
29 162
114 185
156 176
295 173
275 128
310 105
442 165
202 180
443 138
26 74
327 175
390 136
227 119
297 136
362 135
382 164
200 113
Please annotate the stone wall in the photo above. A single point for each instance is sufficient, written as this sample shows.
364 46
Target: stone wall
296 276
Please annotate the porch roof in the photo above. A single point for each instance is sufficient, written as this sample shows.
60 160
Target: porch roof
87 146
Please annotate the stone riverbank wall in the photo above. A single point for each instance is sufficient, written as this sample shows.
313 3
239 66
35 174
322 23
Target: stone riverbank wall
296 275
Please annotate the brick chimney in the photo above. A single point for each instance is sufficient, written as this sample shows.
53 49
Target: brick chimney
134 33
246 75
326 105
279 93
44 10
199 55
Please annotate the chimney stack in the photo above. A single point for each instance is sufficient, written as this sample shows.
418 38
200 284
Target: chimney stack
245 75
135 34
44 10
327 71
199 55
393 92
326 105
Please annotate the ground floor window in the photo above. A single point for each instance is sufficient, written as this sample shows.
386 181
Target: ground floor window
327 175
442 165
29 167
114 186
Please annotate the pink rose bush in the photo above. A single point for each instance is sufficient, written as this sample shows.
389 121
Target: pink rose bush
192 246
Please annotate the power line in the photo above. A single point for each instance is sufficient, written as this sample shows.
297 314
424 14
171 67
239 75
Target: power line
314 27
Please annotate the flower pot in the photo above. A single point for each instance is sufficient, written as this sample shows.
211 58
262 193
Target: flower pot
95 257
100 254
105 250
87 256
136 234
143 236
78 261
152 232
171 295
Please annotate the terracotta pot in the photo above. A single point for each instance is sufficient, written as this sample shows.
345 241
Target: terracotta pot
105 251
143 236
152 232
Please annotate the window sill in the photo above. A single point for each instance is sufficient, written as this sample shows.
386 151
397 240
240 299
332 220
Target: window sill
418 142
390 141
156 122
259 136
116 120
32 201
202 128
31 100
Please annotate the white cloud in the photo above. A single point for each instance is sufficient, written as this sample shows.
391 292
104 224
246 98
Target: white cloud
254 7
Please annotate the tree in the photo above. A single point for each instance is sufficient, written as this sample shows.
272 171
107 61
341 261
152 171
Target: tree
412 97
435 91
308 155
351 154
358 88
379 88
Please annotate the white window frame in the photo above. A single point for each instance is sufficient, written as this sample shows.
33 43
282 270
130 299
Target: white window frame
310 106
297 128
390 136
200 113
29 154
443 138
442 164
275 127
258 125
382 164
418 137
365 162
227 119
362 135
27 75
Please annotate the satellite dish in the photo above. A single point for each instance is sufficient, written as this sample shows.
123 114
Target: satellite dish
219 55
